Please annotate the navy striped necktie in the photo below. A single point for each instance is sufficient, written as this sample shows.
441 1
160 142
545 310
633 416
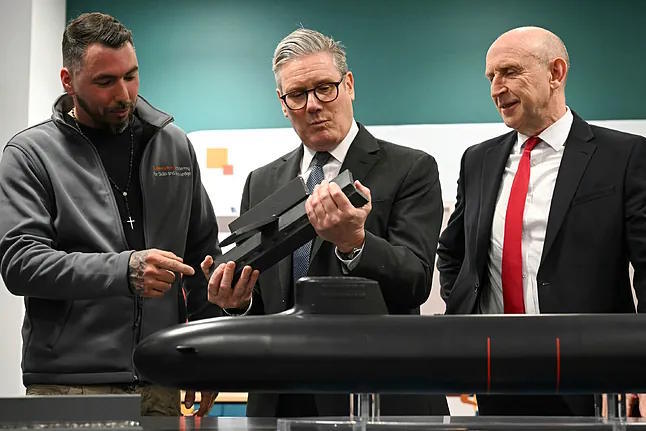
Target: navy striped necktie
301 256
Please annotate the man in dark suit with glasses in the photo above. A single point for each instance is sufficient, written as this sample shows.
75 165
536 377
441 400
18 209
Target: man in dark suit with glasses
392 239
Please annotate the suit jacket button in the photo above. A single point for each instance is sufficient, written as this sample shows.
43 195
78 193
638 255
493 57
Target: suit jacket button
476 287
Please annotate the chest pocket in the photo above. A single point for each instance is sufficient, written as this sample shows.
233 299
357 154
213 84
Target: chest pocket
594 195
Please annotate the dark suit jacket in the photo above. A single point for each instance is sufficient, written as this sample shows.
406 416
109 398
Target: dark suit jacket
399 250
596 224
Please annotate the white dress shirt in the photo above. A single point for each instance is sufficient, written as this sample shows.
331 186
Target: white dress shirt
333 166
544 166
330 170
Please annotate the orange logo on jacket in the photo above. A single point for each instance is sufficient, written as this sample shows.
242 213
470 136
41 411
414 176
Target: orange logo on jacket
171 171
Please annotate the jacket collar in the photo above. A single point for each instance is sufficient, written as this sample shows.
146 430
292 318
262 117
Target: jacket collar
143 110
362 155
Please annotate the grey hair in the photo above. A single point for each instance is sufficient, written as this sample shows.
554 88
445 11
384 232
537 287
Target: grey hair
303 42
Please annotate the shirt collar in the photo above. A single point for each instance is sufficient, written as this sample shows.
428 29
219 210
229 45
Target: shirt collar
339 152
556 134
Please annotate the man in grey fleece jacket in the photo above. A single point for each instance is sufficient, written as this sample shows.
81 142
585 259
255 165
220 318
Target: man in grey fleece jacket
103 224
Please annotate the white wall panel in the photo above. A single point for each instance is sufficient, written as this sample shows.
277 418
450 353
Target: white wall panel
251 148
31 33
15 32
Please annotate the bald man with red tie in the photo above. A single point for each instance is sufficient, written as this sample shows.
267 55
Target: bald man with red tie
548 216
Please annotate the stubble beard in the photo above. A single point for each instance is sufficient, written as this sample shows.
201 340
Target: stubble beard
100 122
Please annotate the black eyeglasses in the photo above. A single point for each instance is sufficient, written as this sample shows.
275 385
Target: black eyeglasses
326 92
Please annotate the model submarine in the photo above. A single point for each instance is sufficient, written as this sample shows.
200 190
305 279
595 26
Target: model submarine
339 338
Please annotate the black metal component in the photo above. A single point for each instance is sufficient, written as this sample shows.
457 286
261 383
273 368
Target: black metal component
273 205
278 225
338 295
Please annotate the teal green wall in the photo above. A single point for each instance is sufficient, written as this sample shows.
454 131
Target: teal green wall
414 61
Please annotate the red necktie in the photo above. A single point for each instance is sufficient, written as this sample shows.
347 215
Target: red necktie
512 257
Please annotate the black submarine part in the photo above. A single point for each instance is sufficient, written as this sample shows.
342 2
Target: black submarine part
270 223
262 250
296 352
338 295
273 205
283 200
265 248
315 347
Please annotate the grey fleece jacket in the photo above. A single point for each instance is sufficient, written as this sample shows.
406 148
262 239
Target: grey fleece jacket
63 248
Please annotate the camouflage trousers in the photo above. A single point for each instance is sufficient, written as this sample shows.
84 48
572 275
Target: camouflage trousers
155 400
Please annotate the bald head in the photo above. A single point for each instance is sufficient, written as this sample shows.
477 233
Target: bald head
527 68
538 42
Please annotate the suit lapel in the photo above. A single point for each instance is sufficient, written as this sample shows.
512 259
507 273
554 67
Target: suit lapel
290 167
283 173
360 159
576 155
362 155
493 168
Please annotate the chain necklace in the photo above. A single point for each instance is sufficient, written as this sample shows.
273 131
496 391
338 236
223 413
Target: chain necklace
123 192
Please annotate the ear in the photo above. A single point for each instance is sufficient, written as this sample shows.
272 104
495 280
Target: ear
349 84
66 80
282 104
558 72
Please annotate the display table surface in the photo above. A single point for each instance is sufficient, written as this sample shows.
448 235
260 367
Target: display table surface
392 423
342 424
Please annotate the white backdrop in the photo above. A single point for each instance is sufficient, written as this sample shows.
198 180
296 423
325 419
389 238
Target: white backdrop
251 148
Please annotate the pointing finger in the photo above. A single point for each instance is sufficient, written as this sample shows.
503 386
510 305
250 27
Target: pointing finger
169 254
176 266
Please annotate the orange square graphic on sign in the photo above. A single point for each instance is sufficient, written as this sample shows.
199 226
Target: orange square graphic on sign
227 169
216 157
